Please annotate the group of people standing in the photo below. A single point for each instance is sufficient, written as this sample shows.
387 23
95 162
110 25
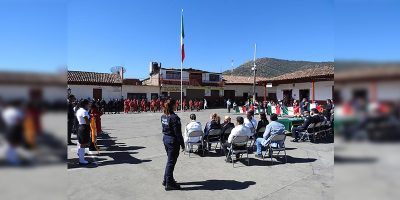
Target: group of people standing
84 120
142 105
158 105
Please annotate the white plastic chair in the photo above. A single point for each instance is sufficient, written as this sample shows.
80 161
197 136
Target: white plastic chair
213 134
279 139
195 134
238 141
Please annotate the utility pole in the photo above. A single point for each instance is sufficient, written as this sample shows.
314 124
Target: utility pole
232 67
254 73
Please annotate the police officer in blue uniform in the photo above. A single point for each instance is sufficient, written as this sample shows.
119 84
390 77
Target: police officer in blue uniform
173 140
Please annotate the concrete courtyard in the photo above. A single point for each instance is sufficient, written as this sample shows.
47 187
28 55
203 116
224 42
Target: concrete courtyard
132 160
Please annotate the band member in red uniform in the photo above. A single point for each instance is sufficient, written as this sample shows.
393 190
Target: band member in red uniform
143 105
132 105
95 115
191 105
157 108
152 105
126 106
184 103
162 105
177 105
196 105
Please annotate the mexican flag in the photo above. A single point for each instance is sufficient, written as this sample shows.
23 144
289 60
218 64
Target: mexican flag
285 110
269 110
243 110
182 37
237 109
273 109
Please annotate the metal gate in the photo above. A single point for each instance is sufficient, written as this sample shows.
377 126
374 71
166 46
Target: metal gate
195 94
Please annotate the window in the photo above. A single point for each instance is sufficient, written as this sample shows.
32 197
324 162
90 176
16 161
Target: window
214 77
305 93
137 96
154 95
173 75
245 95
215 93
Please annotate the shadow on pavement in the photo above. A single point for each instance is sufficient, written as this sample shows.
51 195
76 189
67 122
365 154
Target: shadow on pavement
216 185
276 161
111 153
354 160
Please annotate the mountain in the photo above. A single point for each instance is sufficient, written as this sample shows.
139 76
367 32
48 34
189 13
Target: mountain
271 67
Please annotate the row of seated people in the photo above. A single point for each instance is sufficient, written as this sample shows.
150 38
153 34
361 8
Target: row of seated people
215 124
244 127
312 117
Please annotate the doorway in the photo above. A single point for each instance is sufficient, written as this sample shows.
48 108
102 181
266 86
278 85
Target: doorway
97 93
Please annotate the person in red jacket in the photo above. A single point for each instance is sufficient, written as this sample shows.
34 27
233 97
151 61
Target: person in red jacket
196 105
95 115
278 109
132 105
158 108
152 105
296 108
191 105
177 105
162 105
126 106
143 105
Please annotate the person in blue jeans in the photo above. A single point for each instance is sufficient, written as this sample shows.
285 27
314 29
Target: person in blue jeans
271 129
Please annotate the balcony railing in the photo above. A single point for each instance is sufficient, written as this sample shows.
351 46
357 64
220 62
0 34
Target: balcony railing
192 82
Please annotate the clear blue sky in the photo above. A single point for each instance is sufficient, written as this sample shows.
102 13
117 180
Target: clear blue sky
94 35
367 30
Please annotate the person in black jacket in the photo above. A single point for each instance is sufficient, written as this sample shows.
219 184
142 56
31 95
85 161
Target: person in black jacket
328 108
307 121
212 124
173 139
225 126
71 118
262 123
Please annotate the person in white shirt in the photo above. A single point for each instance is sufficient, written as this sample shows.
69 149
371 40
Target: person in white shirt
191 127
228 105
250 122
82 115
239 130
13 118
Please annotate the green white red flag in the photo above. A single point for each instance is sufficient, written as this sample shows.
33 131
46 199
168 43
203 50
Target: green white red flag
182 37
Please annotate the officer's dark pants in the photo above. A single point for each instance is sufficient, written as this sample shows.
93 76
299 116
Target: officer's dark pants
172 148
296 132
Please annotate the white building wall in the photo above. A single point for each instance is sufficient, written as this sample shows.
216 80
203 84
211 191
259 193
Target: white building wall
388 91
323 90
385 91
22 92
185 75
140 89
86 91
240 89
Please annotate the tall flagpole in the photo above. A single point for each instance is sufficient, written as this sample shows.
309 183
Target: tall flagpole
254 69
182 35
181 86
